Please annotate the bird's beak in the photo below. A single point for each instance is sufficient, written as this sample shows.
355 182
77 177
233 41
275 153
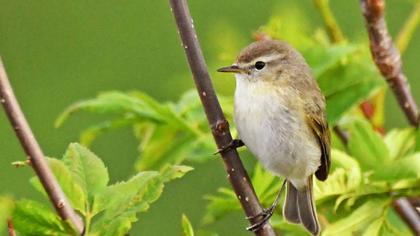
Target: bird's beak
232 69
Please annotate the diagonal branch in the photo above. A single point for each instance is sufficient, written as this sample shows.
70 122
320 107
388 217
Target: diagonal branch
387 57
34 152
237 175
388 61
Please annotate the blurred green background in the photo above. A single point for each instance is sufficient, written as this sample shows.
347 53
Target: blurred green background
58 52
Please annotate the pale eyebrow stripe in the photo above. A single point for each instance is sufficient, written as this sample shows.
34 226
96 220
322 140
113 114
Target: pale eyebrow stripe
266 59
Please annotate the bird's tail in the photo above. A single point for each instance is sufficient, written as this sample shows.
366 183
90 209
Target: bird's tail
299 207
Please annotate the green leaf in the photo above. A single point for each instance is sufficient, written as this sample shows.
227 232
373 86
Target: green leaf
88 171
33 218
115 103
123 201
266 185
225 201
290 25
174 172
73 191
375 227
367 212
161 145
6 206
346 86
345 177
403 168
400 142
366 145
92 132
166 144
186 226
322 58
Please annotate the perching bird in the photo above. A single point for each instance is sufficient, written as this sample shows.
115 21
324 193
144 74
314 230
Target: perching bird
280 117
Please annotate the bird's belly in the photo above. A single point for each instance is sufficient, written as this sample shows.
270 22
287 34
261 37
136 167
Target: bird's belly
277 136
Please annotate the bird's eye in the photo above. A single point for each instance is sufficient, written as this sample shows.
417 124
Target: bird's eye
259 65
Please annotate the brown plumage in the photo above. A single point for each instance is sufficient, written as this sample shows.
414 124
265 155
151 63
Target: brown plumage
280 116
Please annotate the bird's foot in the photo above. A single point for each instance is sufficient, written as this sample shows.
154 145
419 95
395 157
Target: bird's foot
265 214
236 143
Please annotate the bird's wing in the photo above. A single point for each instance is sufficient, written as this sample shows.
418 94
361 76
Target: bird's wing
319 126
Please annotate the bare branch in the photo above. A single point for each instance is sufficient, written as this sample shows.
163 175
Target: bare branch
387 57
388 61
237 175
34 152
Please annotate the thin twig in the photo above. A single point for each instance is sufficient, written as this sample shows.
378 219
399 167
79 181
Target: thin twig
330 22
388 61
10 227
406 33
34 152
237 175
387 57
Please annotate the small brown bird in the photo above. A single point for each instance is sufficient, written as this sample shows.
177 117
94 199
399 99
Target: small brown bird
280 117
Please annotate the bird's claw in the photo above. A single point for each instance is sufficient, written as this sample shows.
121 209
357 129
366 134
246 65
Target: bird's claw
265 214
235 143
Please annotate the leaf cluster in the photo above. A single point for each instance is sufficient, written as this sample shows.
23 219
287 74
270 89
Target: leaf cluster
105 209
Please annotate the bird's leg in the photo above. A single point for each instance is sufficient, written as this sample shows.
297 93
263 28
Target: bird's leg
236 143
266 213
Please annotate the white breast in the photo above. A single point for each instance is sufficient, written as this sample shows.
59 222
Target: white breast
276 135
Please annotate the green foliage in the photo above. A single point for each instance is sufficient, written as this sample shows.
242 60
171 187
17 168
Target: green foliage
105 209
366 175
186 226
34 218
356 197
345 71
169 133
366 145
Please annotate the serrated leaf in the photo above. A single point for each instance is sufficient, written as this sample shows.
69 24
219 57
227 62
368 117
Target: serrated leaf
73 191
400 142
87 169
367 212
366 145
186 226
121 209
33 218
